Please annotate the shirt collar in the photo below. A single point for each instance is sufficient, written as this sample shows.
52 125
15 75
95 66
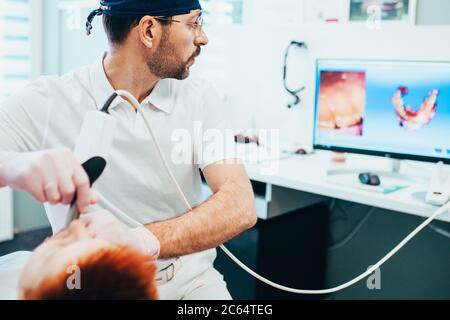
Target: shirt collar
160 97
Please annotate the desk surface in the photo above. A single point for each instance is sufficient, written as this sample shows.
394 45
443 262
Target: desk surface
309 173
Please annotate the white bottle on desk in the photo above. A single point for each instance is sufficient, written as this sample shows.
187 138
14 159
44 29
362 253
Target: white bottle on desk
439 191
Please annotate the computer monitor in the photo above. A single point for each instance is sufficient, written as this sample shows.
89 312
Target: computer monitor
396 109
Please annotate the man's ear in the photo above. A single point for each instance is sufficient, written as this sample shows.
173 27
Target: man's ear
147 28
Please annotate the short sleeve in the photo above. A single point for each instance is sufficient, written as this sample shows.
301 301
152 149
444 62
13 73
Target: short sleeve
214 137
23 118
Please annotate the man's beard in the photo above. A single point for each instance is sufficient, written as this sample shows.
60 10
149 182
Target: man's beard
165 63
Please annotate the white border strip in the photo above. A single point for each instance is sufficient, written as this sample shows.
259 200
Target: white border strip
6 214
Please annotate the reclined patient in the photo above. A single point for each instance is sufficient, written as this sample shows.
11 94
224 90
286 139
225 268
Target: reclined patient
74 265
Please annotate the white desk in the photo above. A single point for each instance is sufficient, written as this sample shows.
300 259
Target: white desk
308 174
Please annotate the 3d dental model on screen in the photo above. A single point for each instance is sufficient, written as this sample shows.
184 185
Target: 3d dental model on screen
410 119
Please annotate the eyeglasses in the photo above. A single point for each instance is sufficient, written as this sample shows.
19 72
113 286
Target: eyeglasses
197 26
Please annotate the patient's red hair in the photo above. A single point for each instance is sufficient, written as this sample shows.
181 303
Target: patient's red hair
108 274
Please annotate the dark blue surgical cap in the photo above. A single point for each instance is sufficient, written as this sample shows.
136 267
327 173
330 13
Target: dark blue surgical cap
136 8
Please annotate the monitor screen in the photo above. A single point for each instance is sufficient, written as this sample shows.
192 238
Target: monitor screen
388 108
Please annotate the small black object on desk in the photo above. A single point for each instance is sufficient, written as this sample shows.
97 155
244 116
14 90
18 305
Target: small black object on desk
369 178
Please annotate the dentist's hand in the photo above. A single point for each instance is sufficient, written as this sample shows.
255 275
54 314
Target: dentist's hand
52 176
103 225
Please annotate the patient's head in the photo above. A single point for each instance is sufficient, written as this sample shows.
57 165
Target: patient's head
73 265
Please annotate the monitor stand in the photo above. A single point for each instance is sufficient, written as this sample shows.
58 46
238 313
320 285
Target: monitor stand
391 180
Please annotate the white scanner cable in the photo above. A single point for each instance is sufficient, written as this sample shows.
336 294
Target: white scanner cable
371 270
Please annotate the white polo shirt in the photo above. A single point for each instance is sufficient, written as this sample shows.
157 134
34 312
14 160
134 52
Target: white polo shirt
49 113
